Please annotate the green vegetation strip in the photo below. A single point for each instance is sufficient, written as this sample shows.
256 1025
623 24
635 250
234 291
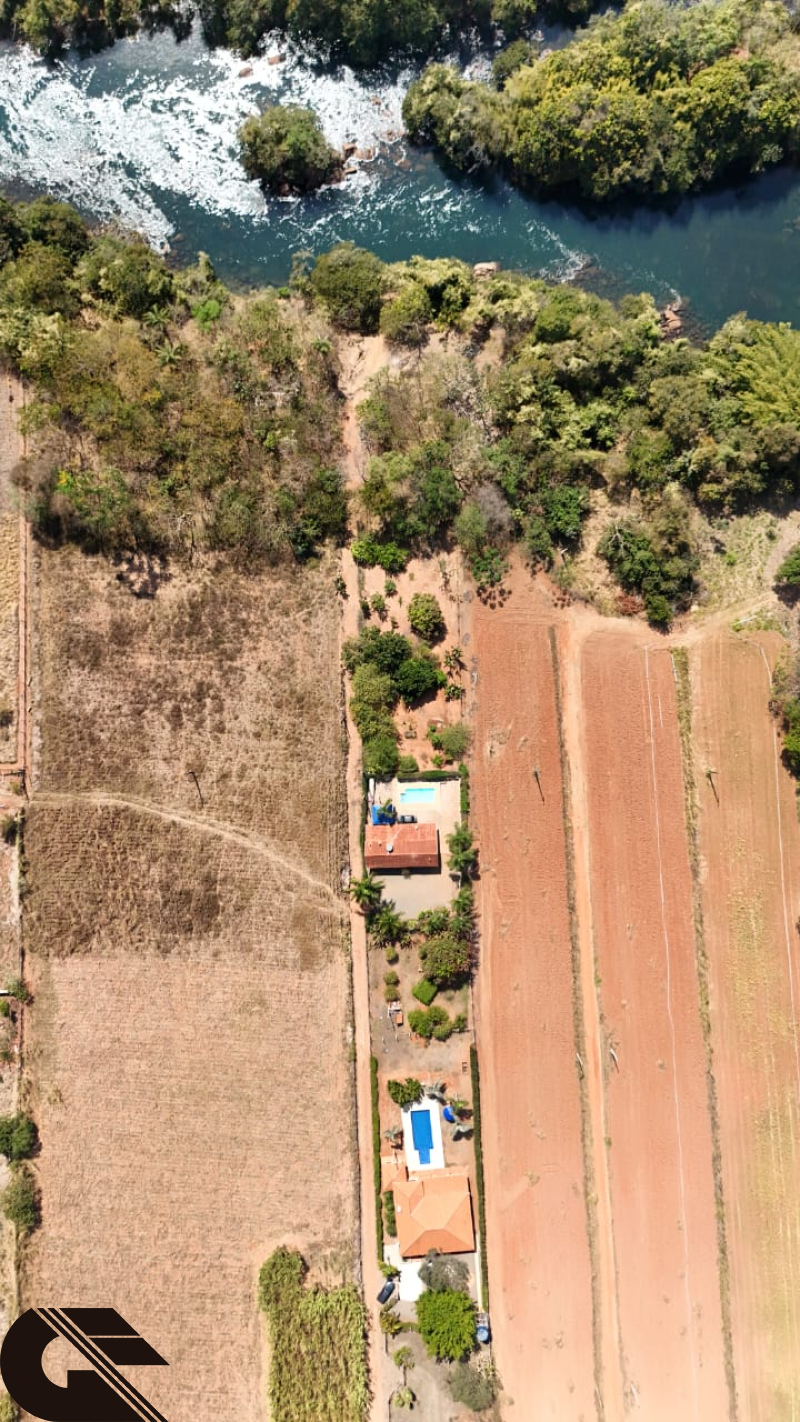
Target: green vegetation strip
479 1181
317 1344
376 1155
680 662
579 1024
659 99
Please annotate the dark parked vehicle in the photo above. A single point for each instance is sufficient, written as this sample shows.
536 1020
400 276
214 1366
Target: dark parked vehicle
406 819
386 1292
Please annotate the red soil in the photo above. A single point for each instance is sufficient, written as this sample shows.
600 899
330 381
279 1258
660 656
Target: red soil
657 1119
750 844
539 1268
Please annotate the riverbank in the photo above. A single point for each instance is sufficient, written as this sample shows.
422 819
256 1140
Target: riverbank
145 134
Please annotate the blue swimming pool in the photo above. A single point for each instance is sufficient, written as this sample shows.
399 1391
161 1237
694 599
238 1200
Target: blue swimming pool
422 1135
417 794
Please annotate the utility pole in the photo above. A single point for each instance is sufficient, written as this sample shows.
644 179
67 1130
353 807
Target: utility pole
193 776
538 781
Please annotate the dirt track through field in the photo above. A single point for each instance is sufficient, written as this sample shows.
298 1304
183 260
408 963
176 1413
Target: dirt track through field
208 825
750 846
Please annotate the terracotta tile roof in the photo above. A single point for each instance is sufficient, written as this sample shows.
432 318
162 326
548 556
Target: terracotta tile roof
434 1212
401 847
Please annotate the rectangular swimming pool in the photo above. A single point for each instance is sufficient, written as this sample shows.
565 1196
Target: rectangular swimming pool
417 794
422 1135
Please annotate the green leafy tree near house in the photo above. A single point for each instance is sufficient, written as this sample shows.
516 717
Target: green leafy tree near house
425 617
446 1321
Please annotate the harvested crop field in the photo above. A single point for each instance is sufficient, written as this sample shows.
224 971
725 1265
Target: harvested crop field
188 1051
539 1268
657 1120
750 850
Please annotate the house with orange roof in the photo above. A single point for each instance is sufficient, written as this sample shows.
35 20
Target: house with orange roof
434 1212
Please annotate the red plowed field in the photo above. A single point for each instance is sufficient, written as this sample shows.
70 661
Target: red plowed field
750 844
537 1237
656 1111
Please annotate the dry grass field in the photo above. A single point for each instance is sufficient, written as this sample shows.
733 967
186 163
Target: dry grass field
749 840
188 1055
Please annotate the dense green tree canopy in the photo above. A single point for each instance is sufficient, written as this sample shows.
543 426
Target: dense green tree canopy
446 1321
658 99
285 149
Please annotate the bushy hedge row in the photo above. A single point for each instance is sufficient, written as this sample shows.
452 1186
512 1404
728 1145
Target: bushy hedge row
479 1179
376 1153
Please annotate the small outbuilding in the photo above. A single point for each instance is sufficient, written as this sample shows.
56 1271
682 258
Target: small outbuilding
401 847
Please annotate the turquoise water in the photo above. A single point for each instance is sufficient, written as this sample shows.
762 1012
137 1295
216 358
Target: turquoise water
417 794
422 1135
146 133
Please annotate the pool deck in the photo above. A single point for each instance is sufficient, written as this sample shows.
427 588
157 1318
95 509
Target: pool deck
419 889
413 1161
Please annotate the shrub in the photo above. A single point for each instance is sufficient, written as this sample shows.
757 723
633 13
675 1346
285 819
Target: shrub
15 987
788 574
439 1272
20 1200
405 319
417 679
431 1023
369 553
464 773
448 960
380 754
488 568
472 1387
453 741
349 282
18 1136
127 274
284 147
391 1221
391 979
425 617
446 1322
404 1093
407 765
425 991
9 828
8 1411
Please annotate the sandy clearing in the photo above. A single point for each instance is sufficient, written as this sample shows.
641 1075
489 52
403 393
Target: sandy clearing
660 1148
539 1267
750 846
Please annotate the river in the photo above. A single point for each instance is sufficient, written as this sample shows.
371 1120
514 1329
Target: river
146 132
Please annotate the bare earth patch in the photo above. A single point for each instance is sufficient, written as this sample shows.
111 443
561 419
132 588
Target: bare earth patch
539 1266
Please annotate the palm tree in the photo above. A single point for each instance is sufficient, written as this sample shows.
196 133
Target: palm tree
404 1397
404 1360
387 925
366 891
